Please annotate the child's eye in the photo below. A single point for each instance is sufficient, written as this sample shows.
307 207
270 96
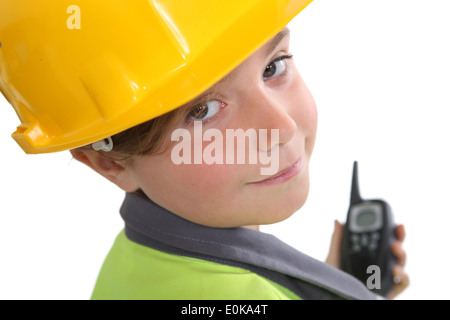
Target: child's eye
205 110
275 68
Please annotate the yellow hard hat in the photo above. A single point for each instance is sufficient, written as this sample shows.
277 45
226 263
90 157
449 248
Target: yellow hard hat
76 74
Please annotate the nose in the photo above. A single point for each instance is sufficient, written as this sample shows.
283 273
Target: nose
268 110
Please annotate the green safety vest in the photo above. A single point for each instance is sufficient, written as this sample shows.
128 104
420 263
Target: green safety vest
134 271
160 255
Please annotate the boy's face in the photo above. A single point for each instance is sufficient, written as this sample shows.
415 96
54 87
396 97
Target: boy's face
264 92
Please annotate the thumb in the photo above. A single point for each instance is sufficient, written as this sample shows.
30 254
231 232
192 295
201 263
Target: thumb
334 255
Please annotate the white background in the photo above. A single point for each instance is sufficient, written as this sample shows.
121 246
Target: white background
380 73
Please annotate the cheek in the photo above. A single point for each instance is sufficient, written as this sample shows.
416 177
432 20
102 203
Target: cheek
304 109
203 178
309 111
165 181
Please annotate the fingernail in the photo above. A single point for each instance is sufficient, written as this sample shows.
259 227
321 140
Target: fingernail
397 272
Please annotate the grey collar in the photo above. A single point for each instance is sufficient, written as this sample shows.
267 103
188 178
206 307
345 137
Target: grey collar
151 225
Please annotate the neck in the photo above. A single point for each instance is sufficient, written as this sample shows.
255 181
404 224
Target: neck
253 227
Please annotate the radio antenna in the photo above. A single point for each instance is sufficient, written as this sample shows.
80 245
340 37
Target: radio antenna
355 197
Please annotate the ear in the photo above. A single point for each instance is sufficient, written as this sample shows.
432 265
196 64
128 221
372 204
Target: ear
114 171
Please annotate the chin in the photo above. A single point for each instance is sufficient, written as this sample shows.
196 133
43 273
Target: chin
291 203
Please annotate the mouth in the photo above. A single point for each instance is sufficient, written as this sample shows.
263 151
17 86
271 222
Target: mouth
282 176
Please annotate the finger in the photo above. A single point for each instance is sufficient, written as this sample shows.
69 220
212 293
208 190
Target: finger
399 253
338 232
334 257
401 280
400 232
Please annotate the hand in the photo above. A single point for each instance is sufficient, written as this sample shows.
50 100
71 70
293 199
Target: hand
401 279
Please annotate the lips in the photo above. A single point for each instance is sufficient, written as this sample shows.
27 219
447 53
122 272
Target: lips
282 176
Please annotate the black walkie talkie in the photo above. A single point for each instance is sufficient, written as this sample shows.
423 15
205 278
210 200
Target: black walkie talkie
367 240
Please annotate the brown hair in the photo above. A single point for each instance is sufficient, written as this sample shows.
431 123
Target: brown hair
144 139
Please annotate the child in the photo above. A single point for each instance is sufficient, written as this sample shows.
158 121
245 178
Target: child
196 110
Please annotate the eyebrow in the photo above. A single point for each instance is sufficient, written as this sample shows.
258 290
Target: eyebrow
271 46
275 41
